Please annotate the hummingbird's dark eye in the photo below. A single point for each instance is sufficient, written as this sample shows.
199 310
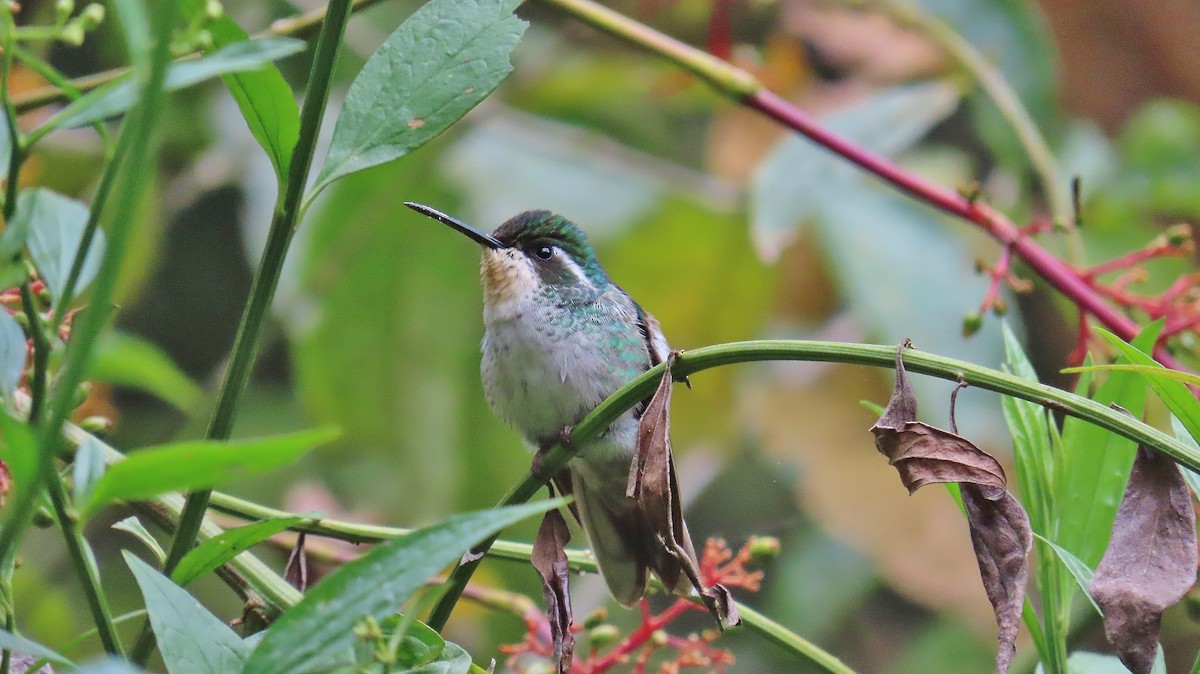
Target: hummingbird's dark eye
544 252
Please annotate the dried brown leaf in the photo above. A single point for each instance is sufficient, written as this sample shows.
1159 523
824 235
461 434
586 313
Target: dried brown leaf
1150 562
653 483
296 571
550 560
1002 538
1000 531
925 454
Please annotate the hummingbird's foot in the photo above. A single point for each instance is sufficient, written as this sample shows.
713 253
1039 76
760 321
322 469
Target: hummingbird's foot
537 466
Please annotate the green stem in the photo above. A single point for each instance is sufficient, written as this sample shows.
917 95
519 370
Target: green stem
85 565
880 356
41 353
262 289
722 76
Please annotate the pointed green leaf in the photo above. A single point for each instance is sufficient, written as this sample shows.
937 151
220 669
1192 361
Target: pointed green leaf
1150 371
126 360
1078 570
1174 394
199 464
441 62
87 468
191 639
214 552
1095 467
264 97
119 96
134 526
18 644
13 349
375 584
1183 436
55 225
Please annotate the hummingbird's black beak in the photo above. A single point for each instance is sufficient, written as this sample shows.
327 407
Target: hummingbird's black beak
481 238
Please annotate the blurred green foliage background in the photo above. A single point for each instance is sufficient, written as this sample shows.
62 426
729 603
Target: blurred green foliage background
715 221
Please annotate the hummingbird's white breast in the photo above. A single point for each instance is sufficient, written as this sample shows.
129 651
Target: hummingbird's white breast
548 362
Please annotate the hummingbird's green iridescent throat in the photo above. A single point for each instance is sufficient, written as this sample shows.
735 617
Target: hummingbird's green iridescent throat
482 238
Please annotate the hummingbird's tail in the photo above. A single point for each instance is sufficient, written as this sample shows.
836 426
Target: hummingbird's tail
626 547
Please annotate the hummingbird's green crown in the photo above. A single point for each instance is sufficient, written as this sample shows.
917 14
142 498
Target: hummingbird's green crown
532 229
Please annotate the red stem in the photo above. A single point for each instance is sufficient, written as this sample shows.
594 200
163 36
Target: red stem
1056 272
644 632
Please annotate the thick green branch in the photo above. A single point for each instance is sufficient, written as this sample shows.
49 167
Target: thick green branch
691 362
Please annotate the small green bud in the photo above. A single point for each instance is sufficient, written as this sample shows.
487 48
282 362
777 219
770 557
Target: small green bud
72 34
42 518
981 265
213 9
602 636
82 393
368 629
63 10
1000 306
92 16
203 40
22 320
1179 236
763 548
659 638
97 424
972 322
595 618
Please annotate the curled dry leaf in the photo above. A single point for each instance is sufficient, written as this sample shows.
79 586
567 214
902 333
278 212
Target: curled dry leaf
296 571
653 483
1000 531
1002 538
1150 562
550 560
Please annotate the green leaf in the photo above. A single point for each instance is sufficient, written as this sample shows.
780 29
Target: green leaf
87 468
791 186
18 450
1078 570
1183 436
1094 467
1148 370
55 225
134 526
1174 394
441 62
126 360
13 349
119 96
264 97
199 464
375 584
190 638
136 30
12 642
1031 440
214 552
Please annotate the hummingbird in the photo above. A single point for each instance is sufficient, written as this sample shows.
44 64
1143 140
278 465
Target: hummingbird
559 338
